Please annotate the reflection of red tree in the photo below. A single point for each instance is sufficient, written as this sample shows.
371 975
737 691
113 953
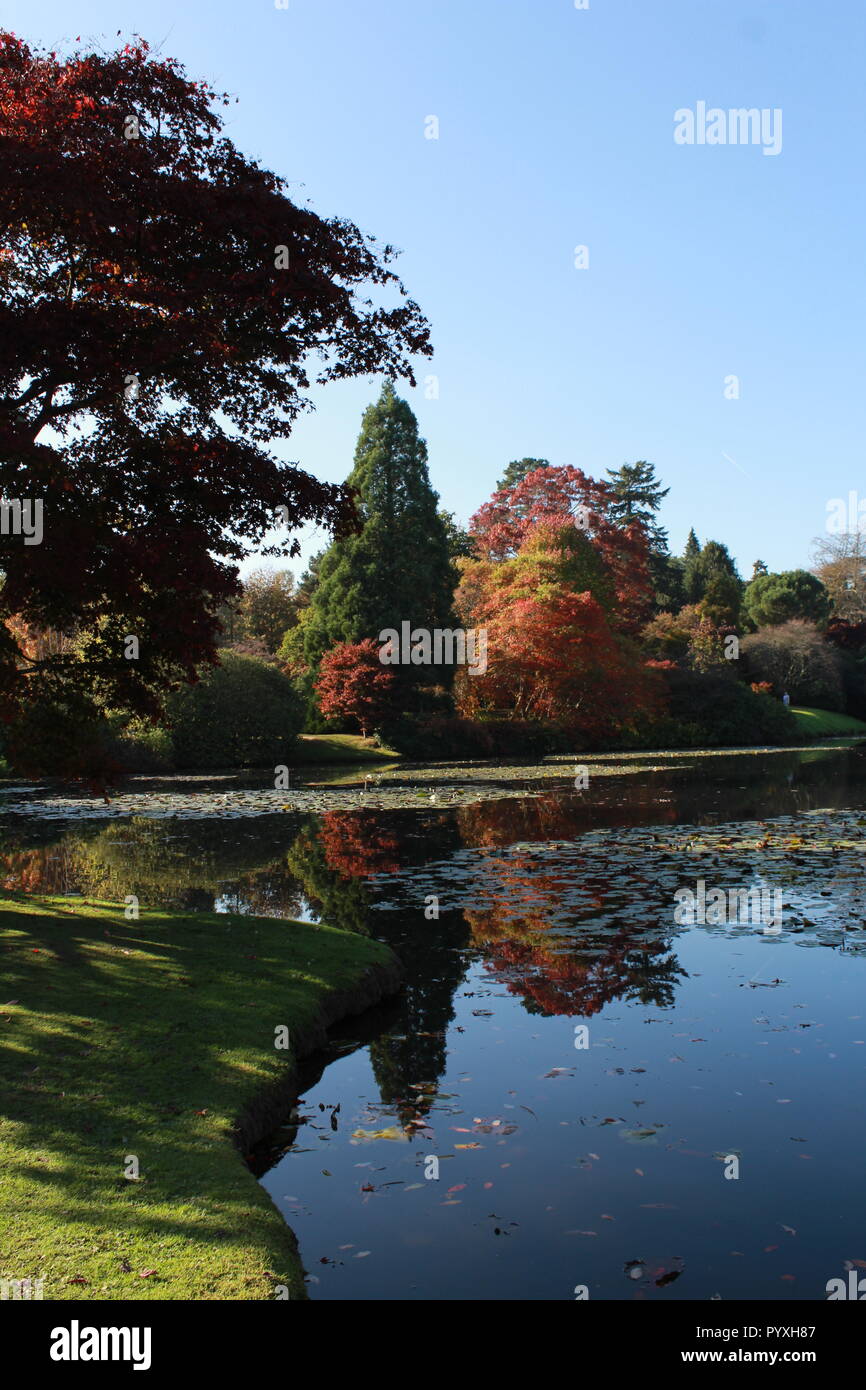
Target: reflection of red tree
44 869
357 844
513 896
568 984
555 816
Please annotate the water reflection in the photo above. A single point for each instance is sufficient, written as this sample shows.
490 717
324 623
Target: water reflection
546 915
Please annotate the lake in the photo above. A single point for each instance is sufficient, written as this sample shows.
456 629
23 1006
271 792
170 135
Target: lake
582 1091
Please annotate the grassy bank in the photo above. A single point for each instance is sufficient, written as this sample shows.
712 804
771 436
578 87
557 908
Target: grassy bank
156 1039
824 723
340 748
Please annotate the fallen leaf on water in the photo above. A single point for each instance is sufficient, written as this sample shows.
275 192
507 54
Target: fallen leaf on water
790 1277
467 1146
639 1172
391 1133
789 1229
361 1254
459 1187
768 1248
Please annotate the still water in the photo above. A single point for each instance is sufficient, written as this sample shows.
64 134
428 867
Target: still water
575 1091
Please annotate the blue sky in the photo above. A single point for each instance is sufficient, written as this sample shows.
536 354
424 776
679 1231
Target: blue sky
556 130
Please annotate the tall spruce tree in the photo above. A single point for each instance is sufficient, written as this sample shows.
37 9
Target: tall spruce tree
639 496
398 567
692 586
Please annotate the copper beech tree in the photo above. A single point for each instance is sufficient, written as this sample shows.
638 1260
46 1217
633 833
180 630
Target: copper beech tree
164 308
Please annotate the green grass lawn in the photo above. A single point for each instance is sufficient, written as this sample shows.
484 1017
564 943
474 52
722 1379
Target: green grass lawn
821 723
340 748
155 1038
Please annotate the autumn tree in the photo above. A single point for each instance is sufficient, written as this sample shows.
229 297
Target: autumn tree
840 564
795 657
161 298
354 684
267 605
569 499
553 652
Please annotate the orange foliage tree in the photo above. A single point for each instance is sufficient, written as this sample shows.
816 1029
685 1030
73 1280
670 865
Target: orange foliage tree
554 647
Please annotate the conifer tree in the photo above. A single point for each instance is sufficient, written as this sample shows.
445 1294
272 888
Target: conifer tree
398 567
638 496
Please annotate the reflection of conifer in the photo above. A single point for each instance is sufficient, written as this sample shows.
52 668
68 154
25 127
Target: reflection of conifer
414 1052
339 901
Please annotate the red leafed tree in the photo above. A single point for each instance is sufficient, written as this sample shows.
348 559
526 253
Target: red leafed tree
160 300
565 497
553 652
353 684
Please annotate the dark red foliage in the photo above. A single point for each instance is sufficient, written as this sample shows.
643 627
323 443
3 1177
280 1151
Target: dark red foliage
850 636
353 684
350 848
151 347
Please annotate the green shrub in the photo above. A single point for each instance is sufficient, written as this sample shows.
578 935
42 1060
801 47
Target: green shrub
144 747
706 710
241 714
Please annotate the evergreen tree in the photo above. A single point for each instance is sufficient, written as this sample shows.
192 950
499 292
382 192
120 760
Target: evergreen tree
309 580
691 582
639 497
517 470
723 599
712 561
668 582
398 567
460 543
